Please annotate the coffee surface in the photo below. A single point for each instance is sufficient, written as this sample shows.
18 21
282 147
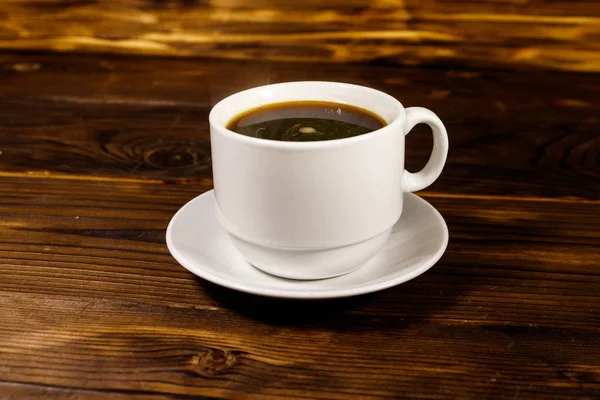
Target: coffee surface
305 121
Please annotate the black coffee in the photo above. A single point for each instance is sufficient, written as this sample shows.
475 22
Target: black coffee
306 121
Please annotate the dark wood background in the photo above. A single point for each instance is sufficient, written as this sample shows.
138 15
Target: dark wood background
98 151
549 34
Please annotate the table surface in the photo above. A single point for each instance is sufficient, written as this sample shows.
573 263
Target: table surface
99 152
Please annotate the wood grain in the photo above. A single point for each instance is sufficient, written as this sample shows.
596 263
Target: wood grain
98 152
125 118
94 301
562 35
106 240
112 347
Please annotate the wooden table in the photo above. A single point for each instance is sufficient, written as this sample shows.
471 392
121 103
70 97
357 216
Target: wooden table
98 153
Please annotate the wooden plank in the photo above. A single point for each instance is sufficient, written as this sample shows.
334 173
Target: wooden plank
110 346
95 307
548 35
532 134
519 263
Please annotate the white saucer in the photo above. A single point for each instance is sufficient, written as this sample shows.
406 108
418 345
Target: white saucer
199 243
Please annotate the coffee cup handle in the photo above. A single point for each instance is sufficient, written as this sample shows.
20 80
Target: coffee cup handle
411 182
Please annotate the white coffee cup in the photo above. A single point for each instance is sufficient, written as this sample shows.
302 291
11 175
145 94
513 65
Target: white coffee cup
312 210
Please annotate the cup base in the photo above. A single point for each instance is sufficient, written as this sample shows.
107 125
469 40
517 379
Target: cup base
310 264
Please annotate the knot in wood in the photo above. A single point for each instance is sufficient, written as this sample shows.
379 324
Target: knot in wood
174 157
213 362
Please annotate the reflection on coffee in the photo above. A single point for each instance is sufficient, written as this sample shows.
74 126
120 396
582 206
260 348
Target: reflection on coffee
305 121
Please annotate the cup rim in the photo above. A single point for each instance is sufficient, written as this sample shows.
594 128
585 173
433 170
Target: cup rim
285 145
